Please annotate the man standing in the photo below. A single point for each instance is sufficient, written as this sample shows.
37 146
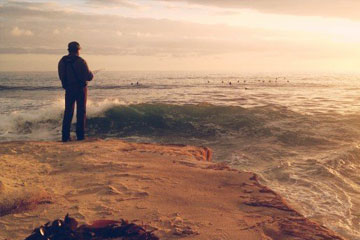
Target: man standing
74 74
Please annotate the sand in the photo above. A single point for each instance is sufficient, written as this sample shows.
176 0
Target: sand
174 190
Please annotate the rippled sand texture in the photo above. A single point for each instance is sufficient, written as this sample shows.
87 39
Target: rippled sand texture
166 188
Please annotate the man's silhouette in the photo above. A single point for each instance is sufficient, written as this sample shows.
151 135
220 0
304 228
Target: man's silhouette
74 74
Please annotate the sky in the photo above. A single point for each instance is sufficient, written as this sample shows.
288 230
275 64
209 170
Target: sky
183 35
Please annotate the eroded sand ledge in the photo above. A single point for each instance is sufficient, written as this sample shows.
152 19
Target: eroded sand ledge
164 187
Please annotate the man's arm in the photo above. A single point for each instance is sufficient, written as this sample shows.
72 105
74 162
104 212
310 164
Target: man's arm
62 73
85 72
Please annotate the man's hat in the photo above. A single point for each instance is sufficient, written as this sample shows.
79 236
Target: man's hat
73 46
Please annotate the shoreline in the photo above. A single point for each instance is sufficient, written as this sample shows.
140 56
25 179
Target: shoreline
174 190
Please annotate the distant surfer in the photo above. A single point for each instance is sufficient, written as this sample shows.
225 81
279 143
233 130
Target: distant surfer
74 75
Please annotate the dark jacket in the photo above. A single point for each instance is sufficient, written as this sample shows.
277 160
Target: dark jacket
74 72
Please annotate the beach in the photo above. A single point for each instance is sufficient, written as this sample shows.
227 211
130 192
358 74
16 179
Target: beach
299 133
174 190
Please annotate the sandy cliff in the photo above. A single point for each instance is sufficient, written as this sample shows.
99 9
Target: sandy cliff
166 188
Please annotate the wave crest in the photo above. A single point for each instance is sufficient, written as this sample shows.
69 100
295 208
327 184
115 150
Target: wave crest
201 121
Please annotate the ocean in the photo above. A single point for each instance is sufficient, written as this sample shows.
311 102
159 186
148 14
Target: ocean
299 132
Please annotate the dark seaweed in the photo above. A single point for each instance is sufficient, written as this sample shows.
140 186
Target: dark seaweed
68 229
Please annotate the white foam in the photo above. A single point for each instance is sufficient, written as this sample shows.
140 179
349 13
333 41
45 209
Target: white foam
45 123
96 108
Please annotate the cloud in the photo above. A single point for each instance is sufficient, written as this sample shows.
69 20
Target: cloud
180 42
133 36
113 3
101 34
324 8
17 32
148 35
34 50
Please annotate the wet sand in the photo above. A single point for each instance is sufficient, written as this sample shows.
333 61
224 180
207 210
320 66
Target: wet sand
174 190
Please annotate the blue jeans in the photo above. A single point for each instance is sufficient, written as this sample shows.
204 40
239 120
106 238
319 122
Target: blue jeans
79 96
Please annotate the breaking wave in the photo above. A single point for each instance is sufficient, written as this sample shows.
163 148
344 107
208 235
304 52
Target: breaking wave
203 121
